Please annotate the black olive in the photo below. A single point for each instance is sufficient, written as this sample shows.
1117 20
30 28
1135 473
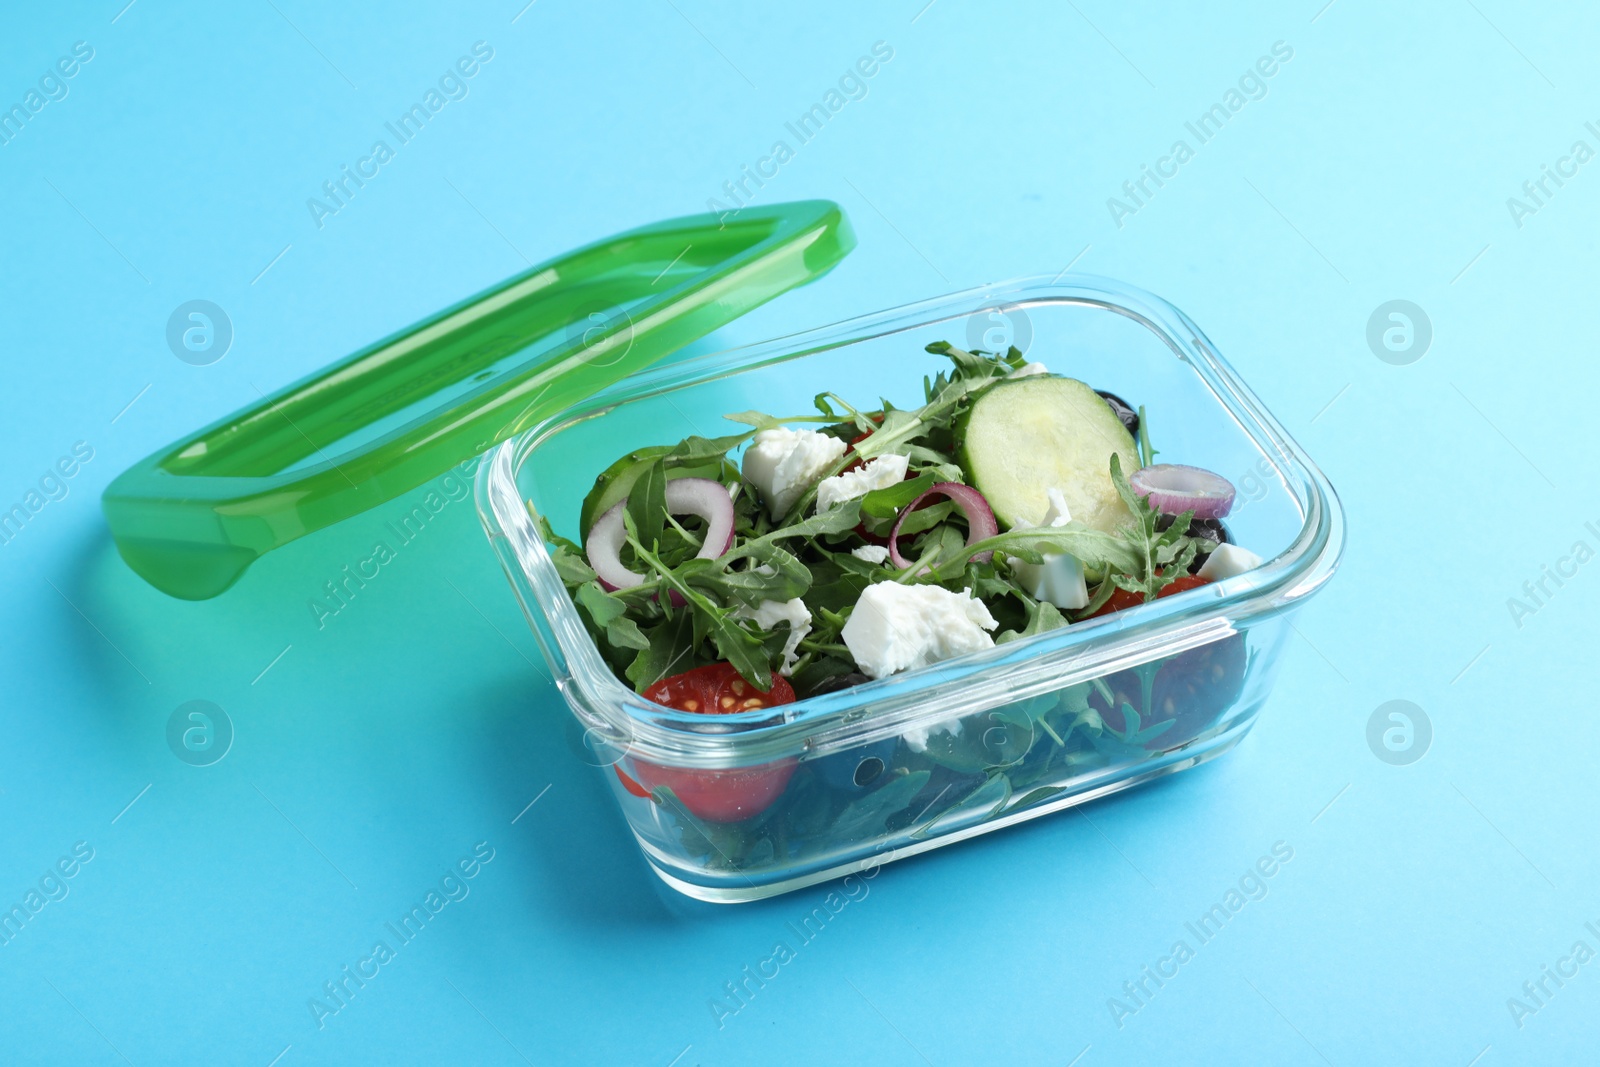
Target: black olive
1208 529
1123 410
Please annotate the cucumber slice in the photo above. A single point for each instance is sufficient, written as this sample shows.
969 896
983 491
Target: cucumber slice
1022 438
617 481
614 483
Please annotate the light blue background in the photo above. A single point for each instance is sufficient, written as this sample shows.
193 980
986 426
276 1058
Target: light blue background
374 752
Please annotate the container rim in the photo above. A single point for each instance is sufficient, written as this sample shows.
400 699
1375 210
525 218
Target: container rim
1016 670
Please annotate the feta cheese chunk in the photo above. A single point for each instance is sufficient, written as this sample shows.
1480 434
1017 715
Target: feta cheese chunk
1225 561
769 613
1028 370
1059 578
898 627
917 736
879 473
871 553
784 463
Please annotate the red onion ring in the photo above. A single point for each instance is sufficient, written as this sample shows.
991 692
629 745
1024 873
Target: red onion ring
981 523
1174 488
685 496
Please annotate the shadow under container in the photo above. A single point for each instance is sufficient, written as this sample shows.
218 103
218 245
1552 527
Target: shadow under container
917 760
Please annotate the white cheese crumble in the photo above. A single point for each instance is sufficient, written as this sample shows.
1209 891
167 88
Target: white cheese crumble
871 553
1028 370
769 613
917 736
879 473
784 463
1225 561
1059 578
898 627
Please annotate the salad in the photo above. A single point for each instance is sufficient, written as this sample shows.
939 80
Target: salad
819 551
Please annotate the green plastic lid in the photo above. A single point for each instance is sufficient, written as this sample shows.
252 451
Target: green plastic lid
192 517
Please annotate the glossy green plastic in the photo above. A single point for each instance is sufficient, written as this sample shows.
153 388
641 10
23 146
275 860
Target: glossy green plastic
192 517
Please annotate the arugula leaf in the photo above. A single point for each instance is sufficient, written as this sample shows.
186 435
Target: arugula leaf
669 650
623 632
999 592
1163 555
570 562
807 678
601 607
945 543
1147 454
1175 558
1137 505
759 419
1036 796
774 561
846 516
1042 618
927 518
865 817
677 542
1180 526
836 584
886 503
744 650
762 421
979 805
859 421
1095 548
976 365
548 532
571 565
945 395
1074 705
773 640
777 575
647 504
701 624
734 642
899 427
609 615
1132 736
940 462
694 451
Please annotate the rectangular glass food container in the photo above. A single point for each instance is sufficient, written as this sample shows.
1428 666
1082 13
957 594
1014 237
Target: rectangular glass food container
917 760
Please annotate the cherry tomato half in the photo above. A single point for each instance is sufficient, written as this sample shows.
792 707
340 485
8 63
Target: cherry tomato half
717 795
1122 599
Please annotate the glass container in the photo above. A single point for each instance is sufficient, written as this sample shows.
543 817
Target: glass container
917 760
